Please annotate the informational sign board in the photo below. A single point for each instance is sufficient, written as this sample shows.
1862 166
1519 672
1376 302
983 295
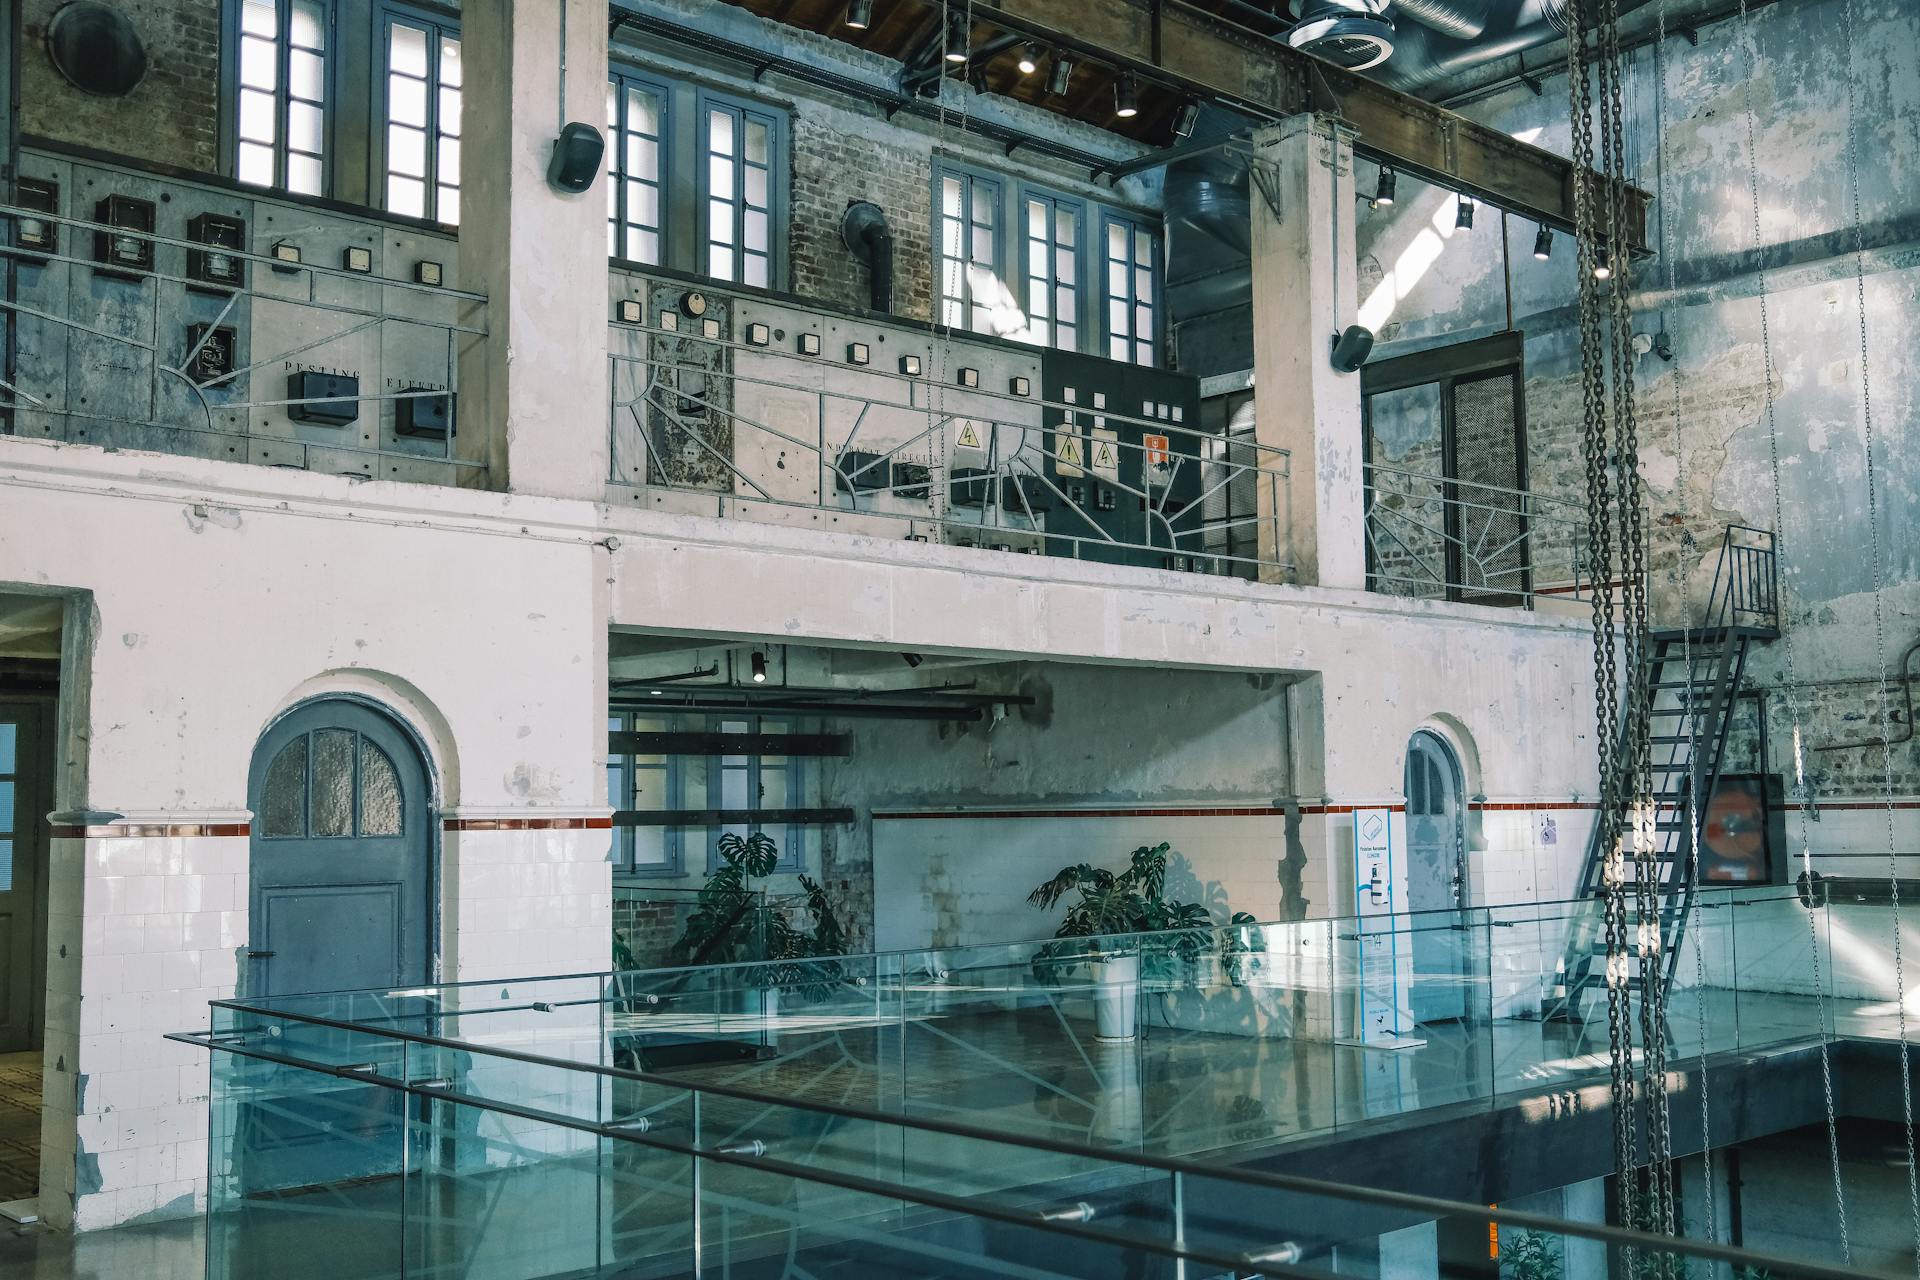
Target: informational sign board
1379 1017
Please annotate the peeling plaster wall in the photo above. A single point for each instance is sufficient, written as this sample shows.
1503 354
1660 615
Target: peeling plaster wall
1712 463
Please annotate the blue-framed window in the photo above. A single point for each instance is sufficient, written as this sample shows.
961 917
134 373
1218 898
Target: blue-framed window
281 81
420 151
637 162
969 248
1054 232
667 782
1130 288
741 185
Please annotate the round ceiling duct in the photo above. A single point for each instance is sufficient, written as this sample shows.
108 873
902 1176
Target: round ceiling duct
1348 33
96 48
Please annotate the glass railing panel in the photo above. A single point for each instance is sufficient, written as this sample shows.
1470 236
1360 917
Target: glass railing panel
1776 938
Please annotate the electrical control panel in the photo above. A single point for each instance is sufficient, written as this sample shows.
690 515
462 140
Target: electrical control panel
214 343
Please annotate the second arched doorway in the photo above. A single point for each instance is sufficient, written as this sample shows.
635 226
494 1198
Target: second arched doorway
1436 878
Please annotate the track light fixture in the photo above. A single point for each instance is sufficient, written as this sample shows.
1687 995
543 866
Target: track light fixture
759 667
1183 124
1126 98
1029 59
1543 244
1463 215
859 14
1059 75
959 36
1602 265
1383 189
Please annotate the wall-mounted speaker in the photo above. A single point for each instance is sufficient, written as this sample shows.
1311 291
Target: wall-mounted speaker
1351 347
577 154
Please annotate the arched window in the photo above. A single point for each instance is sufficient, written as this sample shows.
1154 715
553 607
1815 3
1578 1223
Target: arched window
330 783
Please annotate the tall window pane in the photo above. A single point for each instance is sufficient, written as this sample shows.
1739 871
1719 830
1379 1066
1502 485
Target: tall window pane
635 112
1130 279
280 95
423 119
742 177
970 290
1053 229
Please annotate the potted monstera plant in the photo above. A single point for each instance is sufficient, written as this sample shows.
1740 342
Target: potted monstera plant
1128 902
730 924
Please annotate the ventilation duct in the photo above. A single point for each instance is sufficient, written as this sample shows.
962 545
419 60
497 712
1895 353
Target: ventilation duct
1349 33
865 231
1461 19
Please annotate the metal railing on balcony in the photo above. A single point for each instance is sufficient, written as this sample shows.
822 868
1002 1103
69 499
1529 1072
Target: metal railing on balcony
711 424
132 338
1433 537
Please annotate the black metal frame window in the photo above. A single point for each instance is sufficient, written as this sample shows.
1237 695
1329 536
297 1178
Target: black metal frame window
637 110
1055 232
969 248
280 87
698 783
741 184
1130 289
421 148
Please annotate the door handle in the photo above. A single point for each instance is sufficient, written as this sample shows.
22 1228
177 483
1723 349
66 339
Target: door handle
259 955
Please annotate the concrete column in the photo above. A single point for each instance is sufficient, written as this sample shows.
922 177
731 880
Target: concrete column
1585 1202
536 386
1303 292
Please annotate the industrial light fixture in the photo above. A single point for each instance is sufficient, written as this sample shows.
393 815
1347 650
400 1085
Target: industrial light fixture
759 667
859 14
1543 244
1059 75
1602 265
1383 189
1126 98
1029 59
912 659
1463 215
959 33
1184 123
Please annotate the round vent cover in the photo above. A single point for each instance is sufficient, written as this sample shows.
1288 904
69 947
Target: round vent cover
96 48
1347 34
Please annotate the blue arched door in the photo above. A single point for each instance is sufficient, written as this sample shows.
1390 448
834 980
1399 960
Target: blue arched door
340 863
1435 880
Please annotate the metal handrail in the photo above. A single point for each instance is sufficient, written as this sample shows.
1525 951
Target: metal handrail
1507 567
1006 514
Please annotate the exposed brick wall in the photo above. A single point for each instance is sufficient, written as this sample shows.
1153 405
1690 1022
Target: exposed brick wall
172 117
833 166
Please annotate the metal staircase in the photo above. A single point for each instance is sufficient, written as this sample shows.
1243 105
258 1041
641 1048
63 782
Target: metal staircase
1693 682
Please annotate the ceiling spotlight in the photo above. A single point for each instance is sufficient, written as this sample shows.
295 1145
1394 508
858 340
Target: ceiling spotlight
1029 59
759 667
1383 189
1543 244
859 14
1602 265
959 35
1058 75
912 659
1463 215
1184 123
1126 98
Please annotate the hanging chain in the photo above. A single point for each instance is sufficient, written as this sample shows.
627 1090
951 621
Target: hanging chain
1597 456
1880 627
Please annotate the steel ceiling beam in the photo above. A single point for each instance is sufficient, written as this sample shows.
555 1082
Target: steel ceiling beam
1204 55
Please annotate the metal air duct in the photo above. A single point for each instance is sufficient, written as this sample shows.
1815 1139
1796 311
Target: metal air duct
1353 34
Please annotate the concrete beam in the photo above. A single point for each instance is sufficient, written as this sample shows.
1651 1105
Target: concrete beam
1206 56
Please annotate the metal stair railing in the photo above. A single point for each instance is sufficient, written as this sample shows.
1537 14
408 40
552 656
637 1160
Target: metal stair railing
1693 677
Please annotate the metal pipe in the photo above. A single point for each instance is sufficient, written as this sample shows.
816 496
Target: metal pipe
1906 688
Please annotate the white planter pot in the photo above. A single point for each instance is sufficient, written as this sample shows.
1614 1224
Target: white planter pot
1116 1002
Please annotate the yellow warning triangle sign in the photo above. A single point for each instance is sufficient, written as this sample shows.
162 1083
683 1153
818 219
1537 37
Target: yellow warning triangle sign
969 436
1069 451
1103 456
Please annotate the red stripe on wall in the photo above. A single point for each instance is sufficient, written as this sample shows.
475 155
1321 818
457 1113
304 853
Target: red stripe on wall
528 824
129 830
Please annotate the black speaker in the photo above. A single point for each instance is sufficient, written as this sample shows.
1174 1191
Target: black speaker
1351 347
576 159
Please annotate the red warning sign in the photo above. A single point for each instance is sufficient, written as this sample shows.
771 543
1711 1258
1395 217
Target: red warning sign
1159 452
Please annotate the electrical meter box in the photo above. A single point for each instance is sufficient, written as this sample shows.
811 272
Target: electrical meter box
1125 448
328 399
421 417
